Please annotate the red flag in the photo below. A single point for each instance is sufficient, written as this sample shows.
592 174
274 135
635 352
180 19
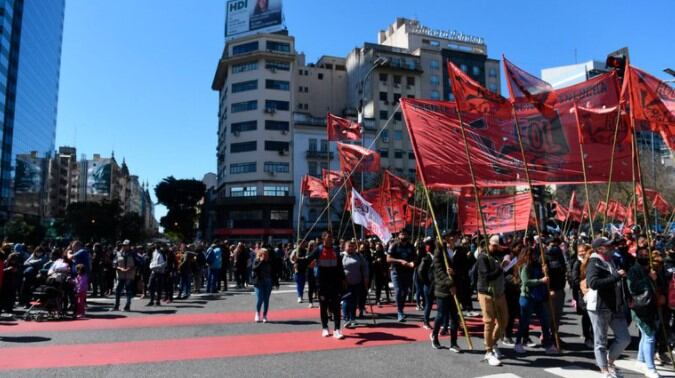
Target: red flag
473 97
651 101
332 179
418 217
574 209
527 88
313 188
357 159
390 208
552 146
630 216
600 208
397 186
598 125
561 211
342 128
504 213
660 204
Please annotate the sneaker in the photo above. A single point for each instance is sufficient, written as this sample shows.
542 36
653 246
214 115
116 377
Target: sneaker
657 360
614 371
338 335
257 318
116 308
434 342
426 326
531 344
418 308
311 305
299 300
491 359
264 319
150 304
508 342
663 357
519 349
552 350
347 325
401 317
652 373
353 324
497 352
325 332
444 331
455 348
127 309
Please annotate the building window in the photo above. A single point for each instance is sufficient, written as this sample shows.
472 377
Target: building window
279 215
492 87
278 65
492 72
384 152
435 95
245 48
476 71
384 97
464 68
312 145
385 136
434 64
313 168
245 86
276 125
277 105
276 146
243 147
384 77
244 67
276 191
324 145
434 43
410 80
398 135
434 80
281 85
272 166
384 115
320 76
243 191
244 106
397 80
397 96
279 46
411 155
398 154
244 126
240 168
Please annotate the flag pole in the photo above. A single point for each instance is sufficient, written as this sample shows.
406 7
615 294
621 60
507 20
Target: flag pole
537 227
611 166
583 168
328 218
302 200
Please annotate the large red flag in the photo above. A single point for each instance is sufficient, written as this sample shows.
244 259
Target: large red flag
474 98
418 217
574 213
552 146
652 101
526 88
342 128
397 186
332 179
357 159
391 208
313 188
661 205
598 126
561 212
504 213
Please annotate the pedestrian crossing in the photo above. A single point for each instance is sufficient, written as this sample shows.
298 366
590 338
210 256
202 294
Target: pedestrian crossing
627 366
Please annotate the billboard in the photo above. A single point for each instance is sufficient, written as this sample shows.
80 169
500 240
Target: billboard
28 177
244 16
99 175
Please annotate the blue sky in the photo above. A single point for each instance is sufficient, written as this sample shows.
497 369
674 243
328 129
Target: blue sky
136 74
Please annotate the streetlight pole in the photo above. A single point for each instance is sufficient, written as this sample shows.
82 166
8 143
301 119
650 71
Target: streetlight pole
379 61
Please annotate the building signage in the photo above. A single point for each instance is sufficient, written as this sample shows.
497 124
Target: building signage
244 16
99 176
447 34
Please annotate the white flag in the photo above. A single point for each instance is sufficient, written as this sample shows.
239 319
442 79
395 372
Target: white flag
364 214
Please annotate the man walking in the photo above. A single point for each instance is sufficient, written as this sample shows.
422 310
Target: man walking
401 256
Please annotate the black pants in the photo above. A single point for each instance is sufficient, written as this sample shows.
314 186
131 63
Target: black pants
311 285
155 285
446 309
169 285
381 283
329 301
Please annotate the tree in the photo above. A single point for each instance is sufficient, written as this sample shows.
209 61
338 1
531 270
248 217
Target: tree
24 231
180 196
93 221
131 227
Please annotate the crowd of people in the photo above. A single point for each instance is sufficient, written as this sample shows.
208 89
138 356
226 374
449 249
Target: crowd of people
613 282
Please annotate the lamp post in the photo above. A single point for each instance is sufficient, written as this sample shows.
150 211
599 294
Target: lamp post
378 62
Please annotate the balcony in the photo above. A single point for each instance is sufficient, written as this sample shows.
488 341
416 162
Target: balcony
317 154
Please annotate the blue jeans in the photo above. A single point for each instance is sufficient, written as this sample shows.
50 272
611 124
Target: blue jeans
428 302
300 279
529 306
446 310
419 289
401 283
212 283
128 287
263 290
646 349
185 285
350 302
602 321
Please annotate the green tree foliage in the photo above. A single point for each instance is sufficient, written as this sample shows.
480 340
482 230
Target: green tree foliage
180 196
23 231
92 221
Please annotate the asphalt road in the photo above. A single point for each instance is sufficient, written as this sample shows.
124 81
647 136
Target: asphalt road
216 336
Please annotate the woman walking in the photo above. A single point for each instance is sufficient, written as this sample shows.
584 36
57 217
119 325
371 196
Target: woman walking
262 282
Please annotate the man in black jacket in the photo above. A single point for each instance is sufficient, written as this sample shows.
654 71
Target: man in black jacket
606 306
444 290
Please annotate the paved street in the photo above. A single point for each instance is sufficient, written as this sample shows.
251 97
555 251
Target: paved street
215 336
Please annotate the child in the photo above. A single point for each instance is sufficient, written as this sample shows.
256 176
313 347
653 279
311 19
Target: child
81 285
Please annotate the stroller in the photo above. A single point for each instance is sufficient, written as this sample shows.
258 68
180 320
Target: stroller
47 303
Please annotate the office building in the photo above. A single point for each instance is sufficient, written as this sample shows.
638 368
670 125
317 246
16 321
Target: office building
31 40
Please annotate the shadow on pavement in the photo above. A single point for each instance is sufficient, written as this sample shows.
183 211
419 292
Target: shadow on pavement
24 339
376 336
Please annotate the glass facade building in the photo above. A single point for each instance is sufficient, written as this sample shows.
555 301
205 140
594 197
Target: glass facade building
30 61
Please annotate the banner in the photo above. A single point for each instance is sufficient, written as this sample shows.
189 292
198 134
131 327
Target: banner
357 159
99 176
552 147
342 129
502 214
313 188
525 88
28 177
364 214
245 16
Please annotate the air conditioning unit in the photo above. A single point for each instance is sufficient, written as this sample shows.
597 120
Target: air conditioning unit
270 110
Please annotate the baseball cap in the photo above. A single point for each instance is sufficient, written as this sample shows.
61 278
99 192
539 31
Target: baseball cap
600 242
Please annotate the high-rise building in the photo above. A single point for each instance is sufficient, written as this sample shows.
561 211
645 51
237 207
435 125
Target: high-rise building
255 81
30 39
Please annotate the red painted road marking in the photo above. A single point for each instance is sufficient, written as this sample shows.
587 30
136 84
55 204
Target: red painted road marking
147 351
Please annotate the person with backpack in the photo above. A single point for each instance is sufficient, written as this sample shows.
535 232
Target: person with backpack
157 271
606 306
492 300
425 273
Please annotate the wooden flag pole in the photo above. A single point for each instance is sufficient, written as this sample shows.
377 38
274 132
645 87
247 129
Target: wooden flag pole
611 166
302 200
537 227
583 168
330 221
